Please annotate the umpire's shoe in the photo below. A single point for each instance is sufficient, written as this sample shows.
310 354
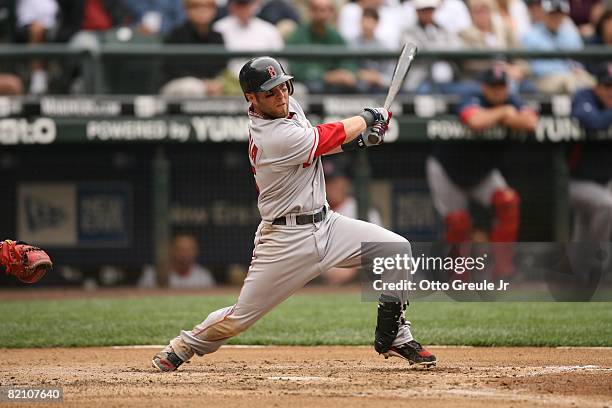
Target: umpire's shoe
172 356
413 352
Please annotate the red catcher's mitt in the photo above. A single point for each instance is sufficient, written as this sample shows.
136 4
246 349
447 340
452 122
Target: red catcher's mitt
26 262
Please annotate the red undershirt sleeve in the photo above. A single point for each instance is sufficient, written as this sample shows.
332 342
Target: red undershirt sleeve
331 135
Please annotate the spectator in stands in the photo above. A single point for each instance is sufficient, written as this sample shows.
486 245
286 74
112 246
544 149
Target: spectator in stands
242 31
515 17
86 17
10 84
453 15
156 17
184 272
590 165
585 14
536 12
328 76
557 32
374 75
194 78
489 33
338 188
388 31
459 173
282 14
35 20
425 76
602 36
603 30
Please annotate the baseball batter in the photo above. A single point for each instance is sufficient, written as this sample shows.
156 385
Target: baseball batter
298 237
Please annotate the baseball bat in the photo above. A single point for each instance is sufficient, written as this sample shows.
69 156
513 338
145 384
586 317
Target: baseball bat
402 66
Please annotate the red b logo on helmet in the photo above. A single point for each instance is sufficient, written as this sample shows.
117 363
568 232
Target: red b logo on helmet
271 71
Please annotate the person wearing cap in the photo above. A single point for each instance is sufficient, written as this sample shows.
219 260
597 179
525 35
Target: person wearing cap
590 165
460 173
556 33
328 76
425 76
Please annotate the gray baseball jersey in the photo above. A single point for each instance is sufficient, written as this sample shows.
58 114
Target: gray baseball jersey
282 153
285 156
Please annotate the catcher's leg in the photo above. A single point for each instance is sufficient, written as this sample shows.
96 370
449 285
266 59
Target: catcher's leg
284 259
392 336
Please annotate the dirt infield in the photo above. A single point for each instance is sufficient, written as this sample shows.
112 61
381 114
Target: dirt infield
319 376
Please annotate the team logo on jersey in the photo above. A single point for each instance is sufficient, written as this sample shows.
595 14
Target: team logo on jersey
271 71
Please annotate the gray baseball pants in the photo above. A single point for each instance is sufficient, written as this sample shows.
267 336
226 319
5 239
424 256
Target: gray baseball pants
285 258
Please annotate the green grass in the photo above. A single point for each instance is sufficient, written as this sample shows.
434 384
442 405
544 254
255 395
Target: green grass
302 320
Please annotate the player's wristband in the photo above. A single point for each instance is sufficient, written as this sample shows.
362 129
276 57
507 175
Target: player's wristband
356 143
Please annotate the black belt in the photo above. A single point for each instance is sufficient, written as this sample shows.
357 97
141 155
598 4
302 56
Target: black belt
303 219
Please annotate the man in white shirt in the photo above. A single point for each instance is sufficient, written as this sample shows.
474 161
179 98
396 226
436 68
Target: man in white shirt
242 31
184 272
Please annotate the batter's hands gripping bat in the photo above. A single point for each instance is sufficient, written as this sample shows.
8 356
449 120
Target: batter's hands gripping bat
399 74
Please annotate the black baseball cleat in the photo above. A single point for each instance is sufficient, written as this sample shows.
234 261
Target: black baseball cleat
413 352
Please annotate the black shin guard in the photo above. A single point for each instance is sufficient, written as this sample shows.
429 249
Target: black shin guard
387 323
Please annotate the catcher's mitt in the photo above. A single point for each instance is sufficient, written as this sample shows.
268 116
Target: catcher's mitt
26 262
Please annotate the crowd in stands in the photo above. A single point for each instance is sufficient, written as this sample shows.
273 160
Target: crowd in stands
258 25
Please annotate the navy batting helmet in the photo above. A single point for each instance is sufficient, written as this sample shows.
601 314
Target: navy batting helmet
261 74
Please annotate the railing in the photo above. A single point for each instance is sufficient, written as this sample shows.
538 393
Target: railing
94 70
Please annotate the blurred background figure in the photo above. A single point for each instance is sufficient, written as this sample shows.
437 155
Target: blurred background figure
329 76
514 17
585 14
556 32
374 75
10 83
281 13
338 188
194 78
184 271
453 15
489 33
156 17
458 173
426 77
392 21
242 31
536 12
36 20
590 165
83 21
601 37
85 24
